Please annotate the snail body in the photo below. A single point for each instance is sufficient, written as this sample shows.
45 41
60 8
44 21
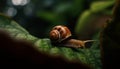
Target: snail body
61 35
74 43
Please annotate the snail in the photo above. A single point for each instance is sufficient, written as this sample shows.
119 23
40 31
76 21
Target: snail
61 35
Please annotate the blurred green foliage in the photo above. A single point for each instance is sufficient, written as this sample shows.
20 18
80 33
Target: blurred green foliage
39 16
92 20
36 15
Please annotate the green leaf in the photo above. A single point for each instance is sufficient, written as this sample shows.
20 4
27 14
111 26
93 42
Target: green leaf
84 21
89 56
97 11
14 29
99 6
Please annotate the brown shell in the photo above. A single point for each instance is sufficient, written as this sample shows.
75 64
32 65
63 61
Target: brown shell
60 33
54 35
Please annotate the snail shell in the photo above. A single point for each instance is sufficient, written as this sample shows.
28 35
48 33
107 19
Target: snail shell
59 33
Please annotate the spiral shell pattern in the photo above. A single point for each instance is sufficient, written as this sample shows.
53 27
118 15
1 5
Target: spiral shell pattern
59 33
